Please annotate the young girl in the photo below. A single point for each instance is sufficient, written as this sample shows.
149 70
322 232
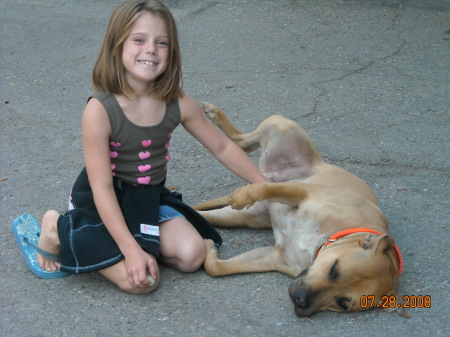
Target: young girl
121 220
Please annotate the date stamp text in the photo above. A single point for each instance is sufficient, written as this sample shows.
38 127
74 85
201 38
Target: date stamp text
390 302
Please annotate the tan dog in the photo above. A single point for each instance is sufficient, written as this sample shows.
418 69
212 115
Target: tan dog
306 202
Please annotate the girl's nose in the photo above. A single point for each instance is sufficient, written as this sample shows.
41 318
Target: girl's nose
151 49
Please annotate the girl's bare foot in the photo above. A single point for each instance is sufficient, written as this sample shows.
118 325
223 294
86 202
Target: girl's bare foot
49 241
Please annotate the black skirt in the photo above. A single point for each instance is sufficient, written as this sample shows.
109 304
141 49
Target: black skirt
86 244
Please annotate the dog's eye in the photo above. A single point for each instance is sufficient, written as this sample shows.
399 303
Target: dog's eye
343 303
303 273
333 274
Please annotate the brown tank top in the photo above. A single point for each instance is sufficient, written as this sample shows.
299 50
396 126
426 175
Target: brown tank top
139 154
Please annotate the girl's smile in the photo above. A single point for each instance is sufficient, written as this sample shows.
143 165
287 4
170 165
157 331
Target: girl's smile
145 51
148 63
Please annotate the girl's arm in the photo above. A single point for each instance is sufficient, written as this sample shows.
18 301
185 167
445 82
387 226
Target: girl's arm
96 132
223 148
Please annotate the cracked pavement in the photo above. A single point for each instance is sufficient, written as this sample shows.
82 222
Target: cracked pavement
368 80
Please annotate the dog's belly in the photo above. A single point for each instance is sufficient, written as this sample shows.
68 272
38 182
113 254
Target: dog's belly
297 233
279 166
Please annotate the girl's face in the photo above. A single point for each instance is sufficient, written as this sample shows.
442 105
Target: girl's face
145 51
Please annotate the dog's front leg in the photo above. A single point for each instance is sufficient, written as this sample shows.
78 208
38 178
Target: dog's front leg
289 193
255 261
258 260
246 196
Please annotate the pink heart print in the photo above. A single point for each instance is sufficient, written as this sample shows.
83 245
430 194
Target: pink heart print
115 144
168 156
166 145
146 143
113 154
144 180
144 155
144 168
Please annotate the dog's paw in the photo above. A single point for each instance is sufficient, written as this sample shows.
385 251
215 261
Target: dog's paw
241 198
211 260
209 245
211 252
211 111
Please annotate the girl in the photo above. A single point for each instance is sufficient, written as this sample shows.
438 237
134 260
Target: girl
121 220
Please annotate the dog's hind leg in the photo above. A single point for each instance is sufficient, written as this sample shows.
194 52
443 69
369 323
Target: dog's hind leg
220 119
287 153
271 128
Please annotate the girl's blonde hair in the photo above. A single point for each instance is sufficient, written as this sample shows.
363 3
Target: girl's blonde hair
109 72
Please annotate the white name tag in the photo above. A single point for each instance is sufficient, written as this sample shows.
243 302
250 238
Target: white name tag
148 229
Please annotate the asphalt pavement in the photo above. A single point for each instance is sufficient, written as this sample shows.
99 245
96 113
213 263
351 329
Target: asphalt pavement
368 79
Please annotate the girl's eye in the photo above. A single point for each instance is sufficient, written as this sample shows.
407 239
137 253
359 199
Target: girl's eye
138 40
163 43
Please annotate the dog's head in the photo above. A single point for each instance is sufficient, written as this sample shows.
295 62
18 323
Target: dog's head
351 274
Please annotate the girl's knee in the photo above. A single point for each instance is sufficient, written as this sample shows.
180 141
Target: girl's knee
190 266
192 259
182 247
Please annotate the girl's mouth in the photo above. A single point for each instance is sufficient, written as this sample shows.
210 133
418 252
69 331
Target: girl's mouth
148 63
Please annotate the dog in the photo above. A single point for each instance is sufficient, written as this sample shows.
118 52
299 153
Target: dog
330 235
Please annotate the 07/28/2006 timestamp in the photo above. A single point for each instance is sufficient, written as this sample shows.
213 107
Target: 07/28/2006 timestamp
408 301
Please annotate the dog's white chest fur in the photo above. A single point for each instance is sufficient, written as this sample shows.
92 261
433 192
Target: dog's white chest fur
297 232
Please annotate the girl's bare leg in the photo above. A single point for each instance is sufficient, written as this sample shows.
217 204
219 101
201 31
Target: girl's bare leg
118 275
181 247
49 241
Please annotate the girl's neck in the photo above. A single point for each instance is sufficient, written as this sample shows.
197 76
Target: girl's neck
140 98
145 109
141 89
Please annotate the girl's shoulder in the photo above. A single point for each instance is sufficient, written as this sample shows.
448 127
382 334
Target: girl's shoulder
95 113
94 108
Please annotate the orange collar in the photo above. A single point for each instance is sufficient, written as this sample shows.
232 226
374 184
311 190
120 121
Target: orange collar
357 230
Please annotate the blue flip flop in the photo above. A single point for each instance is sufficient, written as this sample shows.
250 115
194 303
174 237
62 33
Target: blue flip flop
26 231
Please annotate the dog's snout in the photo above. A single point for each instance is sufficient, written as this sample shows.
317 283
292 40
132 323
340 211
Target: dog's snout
303 299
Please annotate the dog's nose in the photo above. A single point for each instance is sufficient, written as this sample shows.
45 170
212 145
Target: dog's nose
303 299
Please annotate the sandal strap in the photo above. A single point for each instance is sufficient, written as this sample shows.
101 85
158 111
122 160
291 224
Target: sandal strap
42 252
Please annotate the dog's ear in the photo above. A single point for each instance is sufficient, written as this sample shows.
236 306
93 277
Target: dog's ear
385 243
381 243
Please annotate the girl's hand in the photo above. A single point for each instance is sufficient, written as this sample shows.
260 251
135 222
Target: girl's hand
138 265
